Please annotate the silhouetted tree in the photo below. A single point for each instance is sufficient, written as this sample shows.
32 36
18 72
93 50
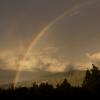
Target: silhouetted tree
92 79
35 85
86 79
95 71
64 85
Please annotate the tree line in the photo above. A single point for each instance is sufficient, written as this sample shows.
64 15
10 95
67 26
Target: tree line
89 89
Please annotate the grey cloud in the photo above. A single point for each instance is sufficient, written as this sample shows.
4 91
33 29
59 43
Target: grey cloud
70 67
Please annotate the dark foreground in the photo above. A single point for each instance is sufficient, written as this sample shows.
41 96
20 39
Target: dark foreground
90 89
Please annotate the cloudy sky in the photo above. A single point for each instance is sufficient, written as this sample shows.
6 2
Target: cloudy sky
72 37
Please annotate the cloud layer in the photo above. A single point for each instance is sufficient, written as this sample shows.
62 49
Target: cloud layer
94 58
42 61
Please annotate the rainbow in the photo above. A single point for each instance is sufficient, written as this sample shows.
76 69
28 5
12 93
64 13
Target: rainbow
44 31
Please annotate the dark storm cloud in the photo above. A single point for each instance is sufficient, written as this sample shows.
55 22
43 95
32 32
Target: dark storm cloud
79 34
21 20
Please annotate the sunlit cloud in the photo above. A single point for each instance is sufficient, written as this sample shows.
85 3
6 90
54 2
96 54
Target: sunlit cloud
94 58
39 61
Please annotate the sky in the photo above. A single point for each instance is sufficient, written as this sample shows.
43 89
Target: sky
71 41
